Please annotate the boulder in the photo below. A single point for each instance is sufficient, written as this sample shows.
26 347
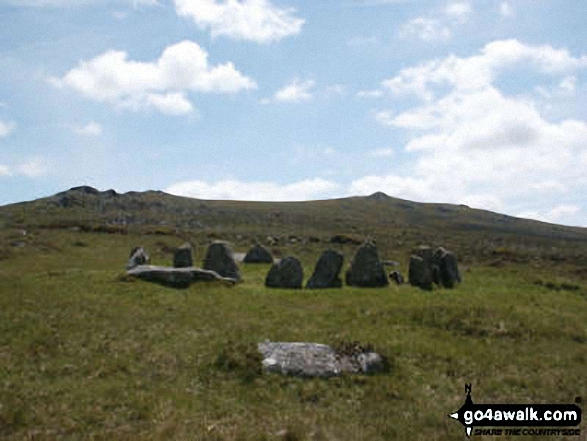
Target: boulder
288 273
448 268
220 259
138 256
258 254
327 271
316 360
366 269
397 277
176 277
420 274
182 257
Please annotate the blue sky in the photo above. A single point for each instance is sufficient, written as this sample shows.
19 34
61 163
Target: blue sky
480 102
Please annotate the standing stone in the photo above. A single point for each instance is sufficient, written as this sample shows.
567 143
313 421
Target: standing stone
182 258
448 268
420 274
327 271
366 269
220 258
288 273
258 254
397 277
429 257
138 256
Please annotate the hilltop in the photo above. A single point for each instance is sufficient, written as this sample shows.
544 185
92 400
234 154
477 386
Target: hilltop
396 224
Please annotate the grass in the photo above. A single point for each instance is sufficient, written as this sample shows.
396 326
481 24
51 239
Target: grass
84 355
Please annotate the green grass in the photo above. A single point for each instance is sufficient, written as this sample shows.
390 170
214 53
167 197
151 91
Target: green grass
84 355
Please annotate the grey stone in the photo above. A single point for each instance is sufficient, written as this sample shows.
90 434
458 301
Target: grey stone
258 254
220 258
138 256
176 277
420 274
366 269
448 268
390 263
316 360
327 271
182 257
288 273
397 277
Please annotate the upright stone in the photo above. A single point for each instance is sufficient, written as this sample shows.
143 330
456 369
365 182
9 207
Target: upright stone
138 256
420 274
366 269
288 273
327 271
258 254
182 258
448 268
220 258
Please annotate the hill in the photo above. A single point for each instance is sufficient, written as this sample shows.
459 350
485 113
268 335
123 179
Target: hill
395 223
86 353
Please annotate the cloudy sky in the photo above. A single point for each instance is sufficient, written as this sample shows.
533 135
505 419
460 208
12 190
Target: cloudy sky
480 102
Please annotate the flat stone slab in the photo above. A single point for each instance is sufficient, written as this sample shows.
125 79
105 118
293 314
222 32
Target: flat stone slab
315 360
176 277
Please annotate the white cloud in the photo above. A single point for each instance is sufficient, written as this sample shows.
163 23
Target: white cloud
568 84
5 171
6 128
254 20
437 26
67 3
254 191
376 93
335 89
474 144
480 70
425 29
554 215
459 11
161 84
34 168
382 153
296 91
506 10
90 129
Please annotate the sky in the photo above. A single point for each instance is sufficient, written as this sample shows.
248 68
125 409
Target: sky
477 102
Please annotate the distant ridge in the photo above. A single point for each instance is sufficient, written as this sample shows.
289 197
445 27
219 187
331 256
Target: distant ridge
364 214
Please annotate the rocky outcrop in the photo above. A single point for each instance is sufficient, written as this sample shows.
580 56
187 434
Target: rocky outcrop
327 271
220 259
288 273
258 254
316 360
366 269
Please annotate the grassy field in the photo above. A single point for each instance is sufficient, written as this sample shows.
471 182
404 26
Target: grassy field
86 355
